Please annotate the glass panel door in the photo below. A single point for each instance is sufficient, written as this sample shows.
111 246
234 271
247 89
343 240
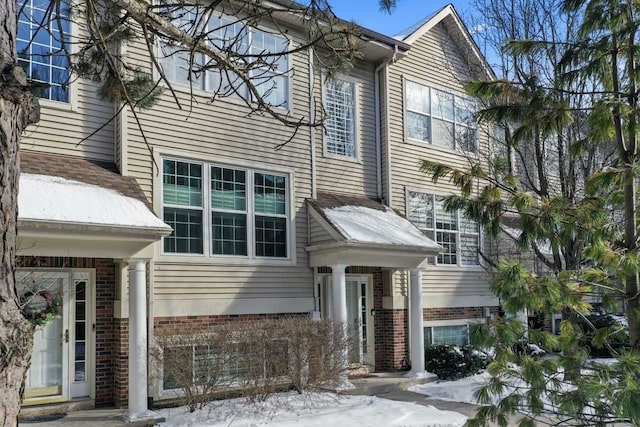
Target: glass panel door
81 335
354 321
47 375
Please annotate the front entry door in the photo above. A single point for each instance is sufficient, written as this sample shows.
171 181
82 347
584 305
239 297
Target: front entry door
359 304
60 362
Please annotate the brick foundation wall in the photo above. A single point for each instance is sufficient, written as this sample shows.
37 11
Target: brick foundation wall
105 323
164 322
454 313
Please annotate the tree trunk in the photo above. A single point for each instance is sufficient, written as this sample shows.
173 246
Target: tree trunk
18 109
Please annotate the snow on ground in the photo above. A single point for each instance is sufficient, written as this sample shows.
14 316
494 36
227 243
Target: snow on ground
312 410
461 390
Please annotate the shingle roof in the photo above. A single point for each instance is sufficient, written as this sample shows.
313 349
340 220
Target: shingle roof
103 174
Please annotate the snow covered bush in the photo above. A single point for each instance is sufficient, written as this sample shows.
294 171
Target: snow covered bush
451 363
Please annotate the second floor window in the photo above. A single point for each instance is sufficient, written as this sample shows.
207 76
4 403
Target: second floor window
225 211
40 48
340 107
235 38
457 234
439 117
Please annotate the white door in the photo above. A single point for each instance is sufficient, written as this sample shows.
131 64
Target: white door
60 363
359 304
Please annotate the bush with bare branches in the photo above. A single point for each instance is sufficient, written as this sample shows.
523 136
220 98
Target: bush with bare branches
252 358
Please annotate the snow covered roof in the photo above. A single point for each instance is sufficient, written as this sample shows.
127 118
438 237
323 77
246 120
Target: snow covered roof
360 220
53 199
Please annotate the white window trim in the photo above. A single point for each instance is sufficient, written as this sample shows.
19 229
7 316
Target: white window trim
206 257
458 265
453 322
357 90
207 92
72 104
405 110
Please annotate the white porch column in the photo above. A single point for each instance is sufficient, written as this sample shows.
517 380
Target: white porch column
416 334
339 314
339 293
137 340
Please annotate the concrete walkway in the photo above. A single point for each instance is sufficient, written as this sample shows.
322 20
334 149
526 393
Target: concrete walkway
394 387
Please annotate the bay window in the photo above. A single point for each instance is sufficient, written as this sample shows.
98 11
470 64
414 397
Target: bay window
458 235
248 210
439 118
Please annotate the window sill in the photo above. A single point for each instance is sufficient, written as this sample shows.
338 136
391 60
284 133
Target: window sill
228 260
440 148
234 99
342 158
55 105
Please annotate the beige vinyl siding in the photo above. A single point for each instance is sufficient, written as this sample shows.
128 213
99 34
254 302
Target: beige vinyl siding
348 175
433 60
222 131
62 126
317 233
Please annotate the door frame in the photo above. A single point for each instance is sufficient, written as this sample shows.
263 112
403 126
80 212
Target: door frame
71 275
324 301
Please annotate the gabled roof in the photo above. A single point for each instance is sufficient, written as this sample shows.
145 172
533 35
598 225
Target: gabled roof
448 16
72 193
362 221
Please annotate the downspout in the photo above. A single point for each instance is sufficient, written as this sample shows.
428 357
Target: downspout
377 71
312 130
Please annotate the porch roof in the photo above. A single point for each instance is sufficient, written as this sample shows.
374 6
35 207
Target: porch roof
78 205
366 232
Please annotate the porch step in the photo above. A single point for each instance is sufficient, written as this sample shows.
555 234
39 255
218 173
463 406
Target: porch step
109 417
49 409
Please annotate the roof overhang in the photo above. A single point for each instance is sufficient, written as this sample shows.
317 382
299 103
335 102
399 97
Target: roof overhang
364 232
367 255
83 240
65 217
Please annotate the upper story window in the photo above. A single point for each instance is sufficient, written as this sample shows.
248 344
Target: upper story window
40 47
340 107
225 211
439 117
457 234
271 79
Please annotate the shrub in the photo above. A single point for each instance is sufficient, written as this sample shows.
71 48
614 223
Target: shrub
452 363
611 329
254 358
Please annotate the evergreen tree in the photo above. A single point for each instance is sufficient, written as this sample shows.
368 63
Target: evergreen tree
564 191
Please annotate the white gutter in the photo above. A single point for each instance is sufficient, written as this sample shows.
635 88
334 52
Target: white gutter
312 130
